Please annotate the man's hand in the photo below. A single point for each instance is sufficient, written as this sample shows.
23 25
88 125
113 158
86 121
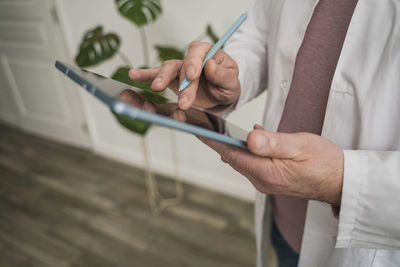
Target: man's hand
301 165
217 85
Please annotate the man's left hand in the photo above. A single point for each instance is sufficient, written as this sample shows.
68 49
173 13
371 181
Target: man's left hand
302 165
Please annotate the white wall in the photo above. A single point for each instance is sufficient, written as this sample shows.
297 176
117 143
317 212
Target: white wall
182 22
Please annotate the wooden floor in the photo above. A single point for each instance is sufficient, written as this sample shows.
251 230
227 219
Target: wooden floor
62 206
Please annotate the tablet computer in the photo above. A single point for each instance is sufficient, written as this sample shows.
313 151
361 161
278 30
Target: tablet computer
165 113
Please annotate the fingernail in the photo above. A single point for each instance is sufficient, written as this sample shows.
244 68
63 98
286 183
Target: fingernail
132 74
190 71
157 80
260 141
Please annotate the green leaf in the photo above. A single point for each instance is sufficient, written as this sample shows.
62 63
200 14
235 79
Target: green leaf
167 53
211 33
139 127
97 47
140 12
135 126
122 75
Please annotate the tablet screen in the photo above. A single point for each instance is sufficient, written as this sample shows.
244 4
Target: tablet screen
165 105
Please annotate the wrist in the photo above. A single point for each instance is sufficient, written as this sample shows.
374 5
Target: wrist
336 186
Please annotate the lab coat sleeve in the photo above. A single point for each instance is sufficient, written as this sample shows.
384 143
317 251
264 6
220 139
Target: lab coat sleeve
248 47
370 207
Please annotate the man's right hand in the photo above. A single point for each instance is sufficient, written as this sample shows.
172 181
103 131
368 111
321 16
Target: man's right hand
217 85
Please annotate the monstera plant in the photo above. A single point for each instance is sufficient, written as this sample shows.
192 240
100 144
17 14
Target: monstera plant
97 47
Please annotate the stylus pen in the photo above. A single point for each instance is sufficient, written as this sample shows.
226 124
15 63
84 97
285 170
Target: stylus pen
185 83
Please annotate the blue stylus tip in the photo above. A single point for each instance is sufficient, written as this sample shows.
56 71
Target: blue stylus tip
185 83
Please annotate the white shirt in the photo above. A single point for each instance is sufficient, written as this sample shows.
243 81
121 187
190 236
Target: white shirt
362 117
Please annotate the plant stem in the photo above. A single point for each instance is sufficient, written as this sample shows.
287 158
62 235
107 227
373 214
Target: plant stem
124 59
145 47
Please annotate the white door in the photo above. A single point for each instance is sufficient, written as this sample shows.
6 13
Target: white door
33 94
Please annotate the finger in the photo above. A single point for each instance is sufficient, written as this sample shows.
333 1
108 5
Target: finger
220 76
275 145
132 98
249 165
169 72
214 145
229 154
149 107
179 115
187 97
241 160
141 75
194 59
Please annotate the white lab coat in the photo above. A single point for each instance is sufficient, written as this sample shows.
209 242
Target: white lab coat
362 117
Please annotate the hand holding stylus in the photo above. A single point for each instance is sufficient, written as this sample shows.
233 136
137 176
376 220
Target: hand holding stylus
218 45
217 85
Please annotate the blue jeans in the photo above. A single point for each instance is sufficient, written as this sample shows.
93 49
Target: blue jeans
287 257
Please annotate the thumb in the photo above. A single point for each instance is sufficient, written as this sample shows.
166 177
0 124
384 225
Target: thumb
274 145
220 75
